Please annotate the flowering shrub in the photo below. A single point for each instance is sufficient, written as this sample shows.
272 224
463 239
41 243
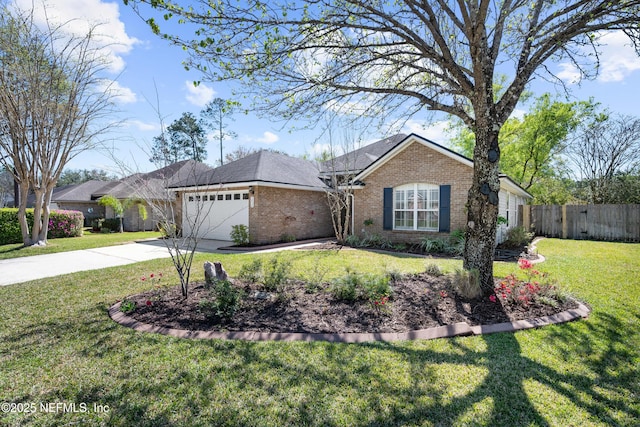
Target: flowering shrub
537 288
65 224
61 224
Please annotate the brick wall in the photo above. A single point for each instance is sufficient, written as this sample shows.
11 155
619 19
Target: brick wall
416 163
277 212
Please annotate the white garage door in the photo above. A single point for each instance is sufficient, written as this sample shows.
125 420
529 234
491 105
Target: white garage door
213 214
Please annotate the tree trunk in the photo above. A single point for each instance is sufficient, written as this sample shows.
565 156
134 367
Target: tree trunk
37 219
22 213
46 213
482 206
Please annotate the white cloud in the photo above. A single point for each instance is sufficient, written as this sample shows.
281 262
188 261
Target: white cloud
266 138
121 94
435 131
618 59
569 73
79 15
142 126
199 95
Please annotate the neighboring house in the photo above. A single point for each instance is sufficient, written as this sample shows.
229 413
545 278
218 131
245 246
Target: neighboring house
151 187
276 196
403 187
406 186
79 197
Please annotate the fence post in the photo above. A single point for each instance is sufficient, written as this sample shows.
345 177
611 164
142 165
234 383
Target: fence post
565 223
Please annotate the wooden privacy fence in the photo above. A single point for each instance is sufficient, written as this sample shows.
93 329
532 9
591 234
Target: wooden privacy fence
585 222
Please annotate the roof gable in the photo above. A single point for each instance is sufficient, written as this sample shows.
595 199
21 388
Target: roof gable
404 143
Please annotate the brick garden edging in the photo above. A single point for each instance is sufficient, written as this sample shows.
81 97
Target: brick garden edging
456 329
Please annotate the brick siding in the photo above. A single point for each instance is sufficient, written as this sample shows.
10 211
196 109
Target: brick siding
279 212
417 163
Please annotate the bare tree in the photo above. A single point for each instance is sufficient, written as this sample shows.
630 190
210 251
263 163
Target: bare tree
52 101
604 149
397 58
338 173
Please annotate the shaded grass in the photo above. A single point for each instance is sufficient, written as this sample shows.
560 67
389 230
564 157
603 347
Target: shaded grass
88 240
58 345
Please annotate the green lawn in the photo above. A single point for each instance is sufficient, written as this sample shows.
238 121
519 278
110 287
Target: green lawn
88 240
58 345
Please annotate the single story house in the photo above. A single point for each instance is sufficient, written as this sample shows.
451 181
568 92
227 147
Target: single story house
403 187
80 197
278 197
150 186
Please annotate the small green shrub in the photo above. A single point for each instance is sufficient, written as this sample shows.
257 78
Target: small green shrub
354 241
517 237
240 234
127 306
251 272
276 274
467 283
433 270
375 288
227 300
432 245
111 224
345 288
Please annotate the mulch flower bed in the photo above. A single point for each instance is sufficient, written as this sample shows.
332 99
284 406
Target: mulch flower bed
417 302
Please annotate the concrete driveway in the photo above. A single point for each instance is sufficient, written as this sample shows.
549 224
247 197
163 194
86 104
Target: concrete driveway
18 270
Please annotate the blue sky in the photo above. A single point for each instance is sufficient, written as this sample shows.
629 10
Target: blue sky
142 63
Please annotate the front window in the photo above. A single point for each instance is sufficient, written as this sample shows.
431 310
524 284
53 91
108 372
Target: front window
416 207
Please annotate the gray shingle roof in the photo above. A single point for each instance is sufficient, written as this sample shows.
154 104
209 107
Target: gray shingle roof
263 166
78 192
359 159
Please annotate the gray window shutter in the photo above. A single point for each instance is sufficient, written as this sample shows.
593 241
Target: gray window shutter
445 209
387 205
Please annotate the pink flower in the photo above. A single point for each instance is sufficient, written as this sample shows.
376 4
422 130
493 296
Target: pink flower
492 298
524 264
149 302
143 278
152 275
443 294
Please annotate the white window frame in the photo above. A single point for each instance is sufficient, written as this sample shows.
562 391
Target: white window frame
402 203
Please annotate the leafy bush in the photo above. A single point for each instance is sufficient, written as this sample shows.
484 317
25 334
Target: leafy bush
517 237
354 241
353 286
251 272
227 300
345 288
111 224
276 274
432 245
537 288
65 224
240 234
467 283
61 224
